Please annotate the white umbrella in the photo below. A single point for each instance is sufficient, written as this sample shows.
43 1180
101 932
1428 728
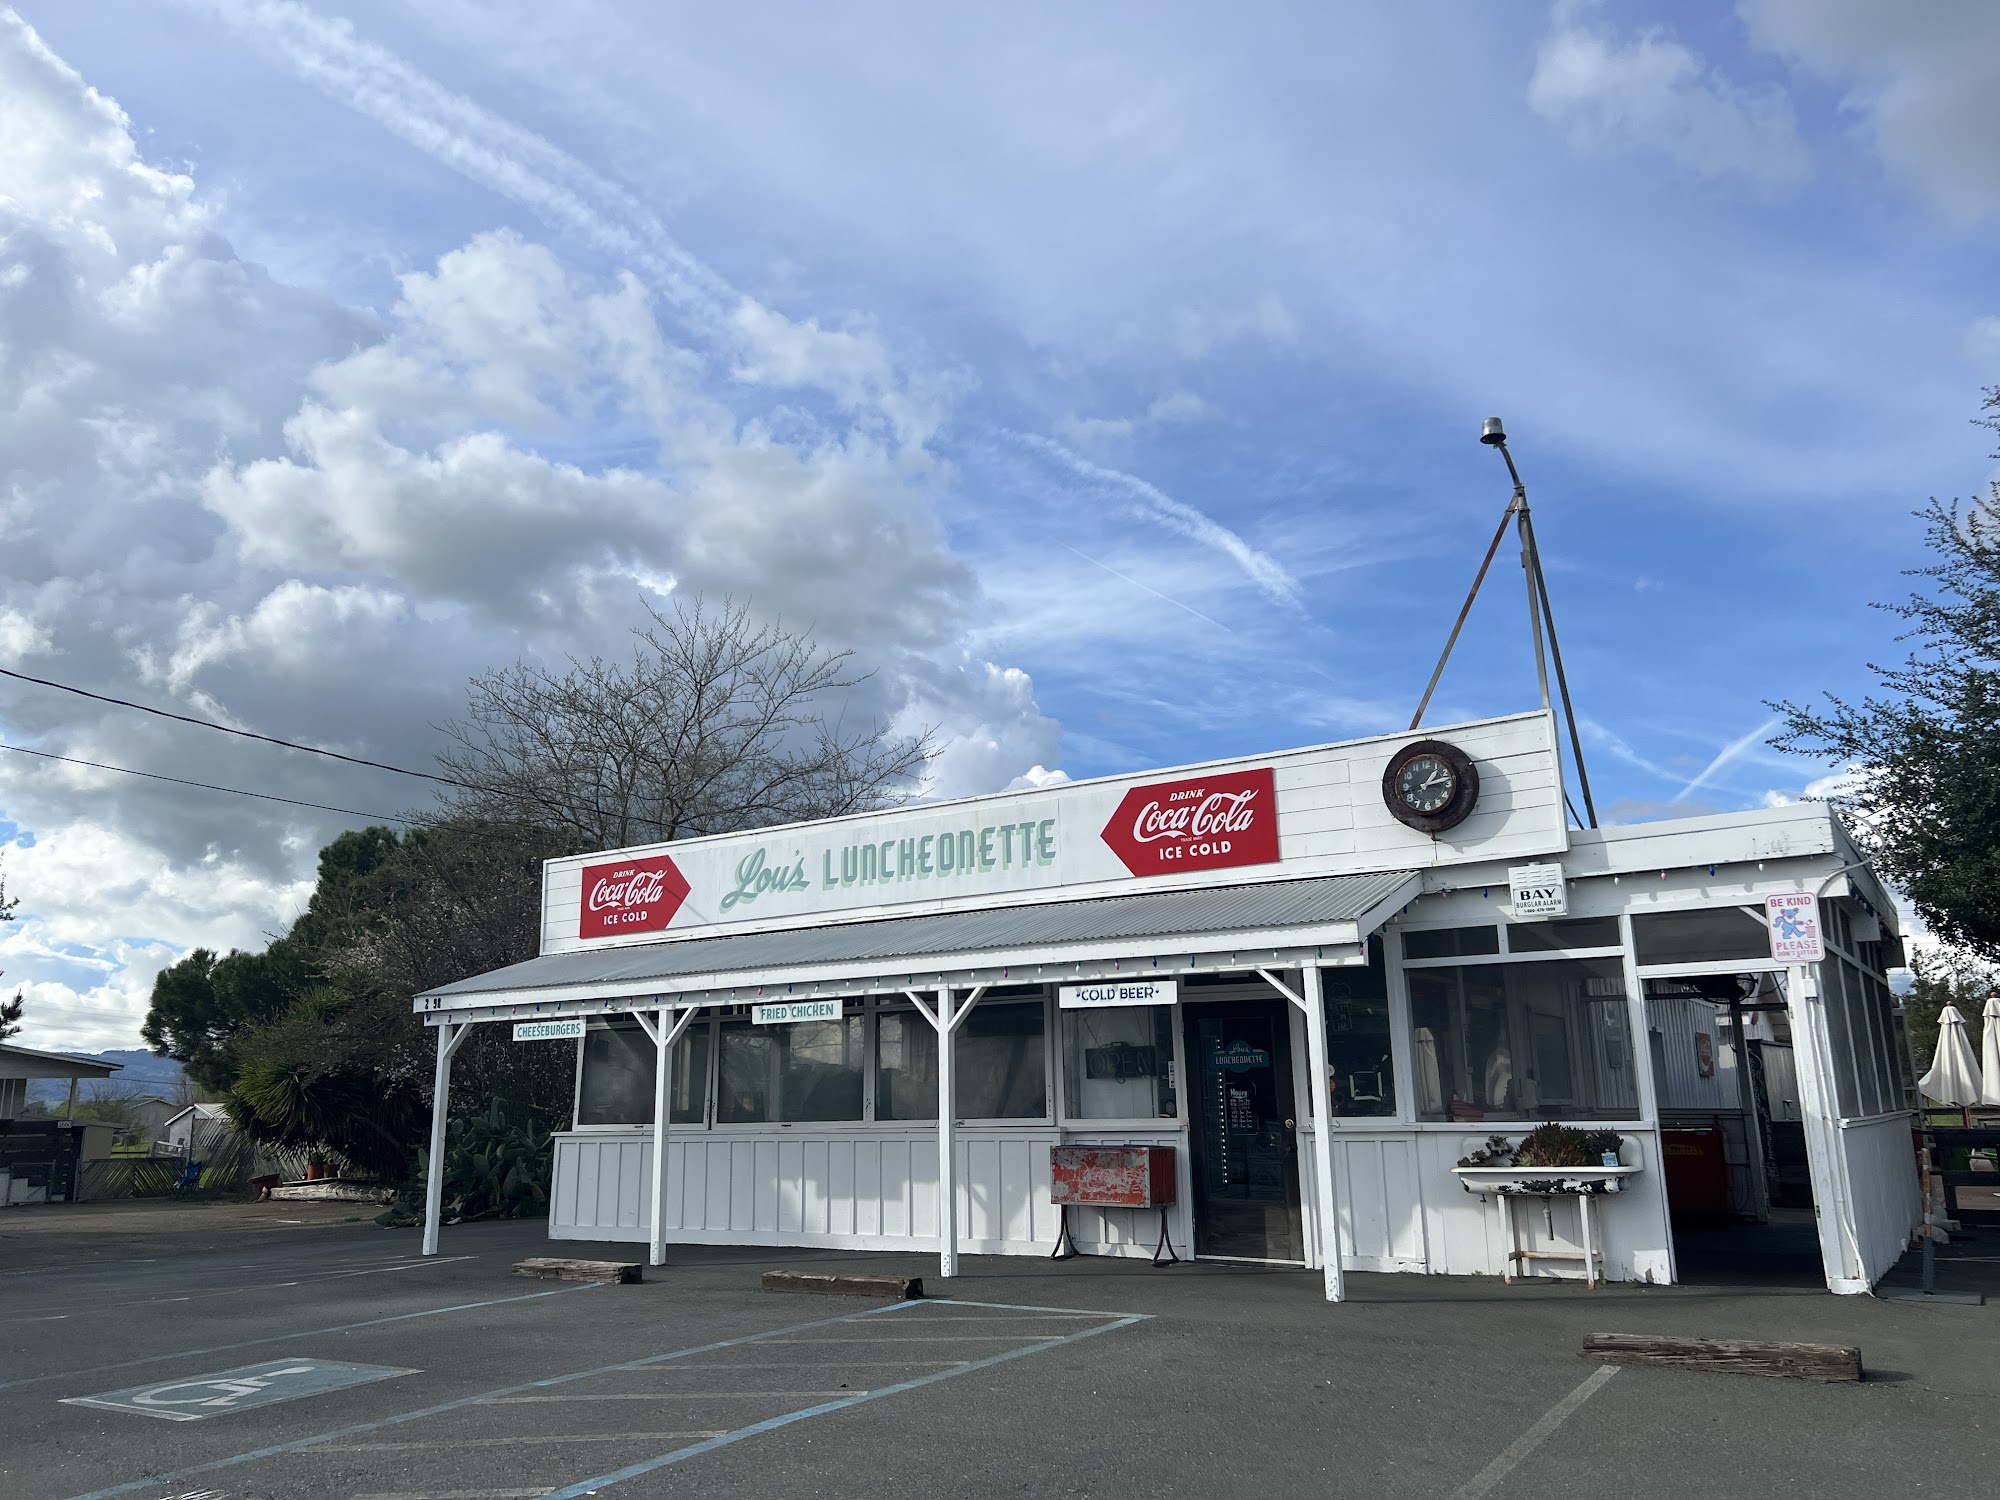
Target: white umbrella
1989 1052
1954 1074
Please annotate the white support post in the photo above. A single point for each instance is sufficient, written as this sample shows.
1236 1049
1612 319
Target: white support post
947 1139
1322 1102
1320 1088
664 1037
449 1038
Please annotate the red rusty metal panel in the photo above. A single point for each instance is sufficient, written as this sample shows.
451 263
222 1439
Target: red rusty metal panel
1112 1176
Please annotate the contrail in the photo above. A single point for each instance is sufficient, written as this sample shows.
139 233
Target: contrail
513 162
1729 753
1263 570
1147 587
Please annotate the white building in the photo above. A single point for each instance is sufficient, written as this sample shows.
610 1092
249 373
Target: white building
1327 935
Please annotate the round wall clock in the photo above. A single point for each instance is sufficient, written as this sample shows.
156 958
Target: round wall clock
1430 785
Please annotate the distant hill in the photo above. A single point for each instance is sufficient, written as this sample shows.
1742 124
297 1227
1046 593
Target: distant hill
140 1072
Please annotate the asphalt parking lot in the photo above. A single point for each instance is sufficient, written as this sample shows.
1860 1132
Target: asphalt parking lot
333 1361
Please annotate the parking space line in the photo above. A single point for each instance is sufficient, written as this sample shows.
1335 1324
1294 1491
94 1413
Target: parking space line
462 1402
660 1396
1511 1456
280 1338
266 1286
694 1450
935 1338
515 1442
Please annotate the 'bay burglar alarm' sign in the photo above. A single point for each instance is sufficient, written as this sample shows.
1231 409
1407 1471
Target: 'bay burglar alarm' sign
1538 891
1793 919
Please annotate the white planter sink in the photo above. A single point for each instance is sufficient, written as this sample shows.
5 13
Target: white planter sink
1591 1180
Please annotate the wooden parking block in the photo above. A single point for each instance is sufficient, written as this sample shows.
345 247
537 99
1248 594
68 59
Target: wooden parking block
557 1268
1730 1356
890 1288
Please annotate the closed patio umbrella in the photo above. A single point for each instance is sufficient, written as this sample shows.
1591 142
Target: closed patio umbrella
1954 1074
1989 1052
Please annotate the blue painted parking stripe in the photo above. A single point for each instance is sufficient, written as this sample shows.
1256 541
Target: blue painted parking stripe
400 1418
280 1338
695 1450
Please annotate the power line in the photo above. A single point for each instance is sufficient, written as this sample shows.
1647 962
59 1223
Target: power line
248 734
235 791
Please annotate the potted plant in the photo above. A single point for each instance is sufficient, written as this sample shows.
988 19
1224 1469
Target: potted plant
316 1169
1550 1158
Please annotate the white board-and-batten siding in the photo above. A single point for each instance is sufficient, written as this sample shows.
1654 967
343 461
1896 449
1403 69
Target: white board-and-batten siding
1400 1209
1331 821
846 1190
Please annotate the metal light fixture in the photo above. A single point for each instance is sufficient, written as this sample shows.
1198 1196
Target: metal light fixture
1493 434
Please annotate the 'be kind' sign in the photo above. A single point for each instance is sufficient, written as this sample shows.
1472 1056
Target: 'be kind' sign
1793 919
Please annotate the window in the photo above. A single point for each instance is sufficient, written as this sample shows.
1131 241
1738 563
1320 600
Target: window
1357 1038
1119 1063
617 1086
1451 942
1002 1069
1574 932
1699 937
1002 1062
809 1070
905 1066
1524 1041
688 1080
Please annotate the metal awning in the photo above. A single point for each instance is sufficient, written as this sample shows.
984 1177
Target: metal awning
1275 924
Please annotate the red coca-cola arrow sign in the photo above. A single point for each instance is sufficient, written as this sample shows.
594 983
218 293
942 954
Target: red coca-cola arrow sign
630 895
1201 823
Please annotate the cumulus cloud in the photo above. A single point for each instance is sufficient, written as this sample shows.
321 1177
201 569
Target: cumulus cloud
1923 79
1652 93
238 498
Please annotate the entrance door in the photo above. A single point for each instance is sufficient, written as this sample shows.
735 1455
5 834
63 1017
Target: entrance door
1246 1161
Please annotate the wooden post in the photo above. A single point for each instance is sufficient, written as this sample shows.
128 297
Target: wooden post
663 1054
664 1037
947 1140
449 1037
1322 1103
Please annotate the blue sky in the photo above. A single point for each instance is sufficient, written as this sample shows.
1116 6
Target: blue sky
1107 378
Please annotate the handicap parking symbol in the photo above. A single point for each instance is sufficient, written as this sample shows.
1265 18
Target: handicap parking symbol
191 1398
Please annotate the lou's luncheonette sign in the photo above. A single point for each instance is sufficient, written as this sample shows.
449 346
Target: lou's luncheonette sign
1305 812
1053 839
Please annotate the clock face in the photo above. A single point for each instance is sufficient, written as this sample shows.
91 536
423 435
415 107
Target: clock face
1426 783
1431 786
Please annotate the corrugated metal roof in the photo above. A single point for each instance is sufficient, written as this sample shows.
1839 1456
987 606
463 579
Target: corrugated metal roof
1218 910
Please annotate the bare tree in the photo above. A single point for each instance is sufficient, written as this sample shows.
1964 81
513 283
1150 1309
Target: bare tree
716 723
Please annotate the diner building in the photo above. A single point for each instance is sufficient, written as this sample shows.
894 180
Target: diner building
1324 978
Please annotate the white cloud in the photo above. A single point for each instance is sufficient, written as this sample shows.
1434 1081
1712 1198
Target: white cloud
1924 78
1172 409
1653 93
239 498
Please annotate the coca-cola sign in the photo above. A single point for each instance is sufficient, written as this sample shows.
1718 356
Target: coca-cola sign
1201 823
631 895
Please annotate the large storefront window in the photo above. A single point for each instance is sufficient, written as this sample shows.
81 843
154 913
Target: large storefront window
810 1070
1523 1041
617 1084
1119 1063
1002 1062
